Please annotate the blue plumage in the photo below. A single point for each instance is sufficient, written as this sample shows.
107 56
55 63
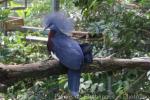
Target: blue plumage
69 52
60 21
74 81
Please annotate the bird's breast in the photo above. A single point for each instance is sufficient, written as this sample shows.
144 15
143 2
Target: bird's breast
49 42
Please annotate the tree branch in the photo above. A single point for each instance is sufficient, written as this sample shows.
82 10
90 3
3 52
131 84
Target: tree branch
9 74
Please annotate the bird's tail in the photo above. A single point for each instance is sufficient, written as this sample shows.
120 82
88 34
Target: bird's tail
87 51
74 75
74 81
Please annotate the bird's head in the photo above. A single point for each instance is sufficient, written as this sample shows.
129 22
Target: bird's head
59 22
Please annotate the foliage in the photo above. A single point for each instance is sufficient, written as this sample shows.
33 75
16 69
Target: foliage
37 10
4 14
118 27
15 49
124 29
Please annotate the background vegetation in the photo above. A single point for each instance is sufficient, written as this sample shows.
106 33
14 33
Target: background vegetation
119 26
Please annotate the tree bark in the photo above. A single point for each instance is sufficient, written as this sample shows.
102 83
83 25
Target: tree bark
9 74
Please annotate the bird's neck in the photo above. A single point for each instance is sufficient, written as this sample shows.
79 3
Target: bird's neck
50 35
49 42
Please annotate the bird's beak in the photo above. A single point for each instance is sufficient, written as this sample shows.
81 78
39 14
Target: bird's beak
45 31
45 28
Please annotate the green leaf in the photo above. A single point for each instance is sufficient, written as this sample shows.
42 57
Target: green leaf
101 87
87 83
93 87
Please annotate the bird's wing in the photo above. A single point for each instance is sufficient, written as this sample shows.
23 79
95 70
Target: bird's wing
68 51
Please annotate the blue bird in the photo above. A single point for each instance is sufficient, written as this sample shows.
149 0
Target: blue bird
68 51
